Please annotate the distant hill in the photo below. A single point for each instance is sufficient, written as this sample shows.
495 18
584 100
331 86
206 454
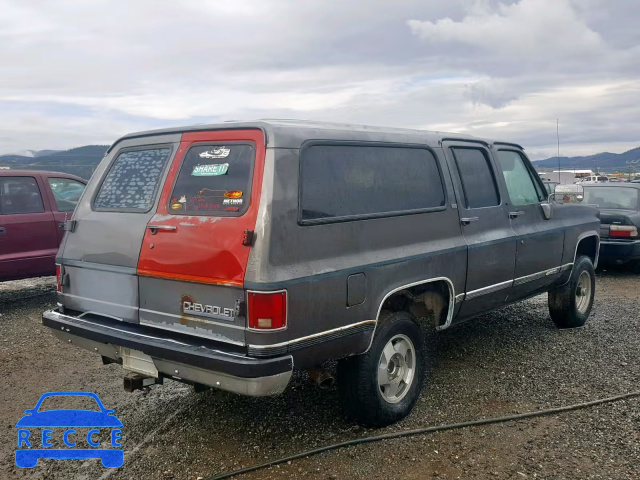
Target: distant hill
79 161
33 153
601 161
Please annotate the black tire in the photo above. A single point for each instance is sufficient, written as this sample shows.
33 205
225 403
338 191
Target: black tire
361 396
564 307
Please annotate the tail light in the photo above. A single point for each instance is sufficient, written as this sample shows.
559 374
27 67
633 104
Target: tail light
59 274
267 310
624 231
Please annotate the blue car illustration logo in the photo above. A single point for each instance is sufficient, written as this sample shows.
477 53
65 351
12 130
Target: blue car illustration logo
36 433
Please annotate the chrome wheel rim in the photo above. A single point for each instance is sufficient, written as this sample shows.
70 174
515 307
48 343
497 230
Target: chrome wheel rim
396 368
583 292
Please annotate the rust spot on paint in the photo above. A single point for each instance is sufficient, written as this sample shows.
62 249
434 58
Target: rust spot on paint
185 298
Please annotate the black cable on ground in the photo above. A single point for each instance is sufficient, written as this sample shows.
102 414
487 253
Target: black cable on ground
422 431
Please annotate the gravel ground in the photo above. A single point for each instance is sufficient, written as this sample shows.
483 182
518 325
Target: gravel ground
511 361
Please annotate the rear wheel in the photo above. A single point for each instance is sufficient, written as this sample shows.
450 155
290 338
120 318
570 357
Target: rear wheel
570 305
381 386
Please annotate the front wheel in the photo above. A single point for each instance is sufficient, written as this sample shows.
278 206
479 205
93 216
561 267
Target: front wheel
380 387
570 305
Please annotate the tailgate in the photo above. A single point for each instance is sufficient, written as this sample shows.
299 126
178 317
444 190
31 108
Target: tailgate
193 260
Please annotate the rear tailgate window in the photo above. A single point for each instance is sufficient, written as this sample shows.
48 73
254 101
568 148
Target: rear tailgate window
215 179
132 181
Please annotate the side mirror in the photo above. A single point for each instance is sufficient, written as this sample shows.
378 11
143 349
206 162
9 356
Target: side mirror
547 210
573 193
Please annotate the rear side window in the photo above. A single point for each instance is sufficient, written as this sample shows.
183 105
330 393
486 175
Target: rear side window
132 181
20 195
478 181
342 181
214 180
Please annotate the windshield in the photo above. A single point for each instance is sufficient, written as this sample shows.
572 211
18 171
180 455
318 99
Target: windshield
612 197
66 193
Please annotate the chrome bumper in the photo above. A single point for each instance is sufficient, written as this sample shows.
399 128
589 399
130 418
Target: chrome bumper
180 360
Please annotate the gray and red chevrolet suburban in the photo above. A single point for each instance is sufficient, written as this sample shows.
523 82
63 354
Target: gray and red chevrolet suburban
228 255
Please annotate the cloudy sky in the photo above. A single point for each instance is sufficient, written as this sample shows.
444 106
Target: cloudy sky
76 72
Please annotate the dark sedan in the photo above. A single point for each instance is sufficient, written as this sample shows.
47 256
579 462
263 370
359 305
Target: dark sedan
619 206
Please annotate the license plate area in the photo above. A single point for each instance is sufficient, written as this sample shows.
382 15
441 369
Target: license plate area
139 362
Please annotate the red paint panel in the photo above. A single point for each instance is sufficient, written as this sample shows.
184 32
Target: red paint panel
203 249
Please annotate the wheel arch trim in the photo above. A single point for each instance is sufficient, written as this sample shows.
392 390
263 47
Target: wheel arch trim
451 303
583 236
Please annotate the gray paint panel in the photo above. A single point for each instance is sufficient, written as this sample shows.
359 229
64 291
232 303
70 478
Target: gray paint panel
104 292
314 262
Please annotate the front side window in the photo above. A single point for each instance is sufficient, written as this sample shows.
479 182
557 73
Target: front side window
478 181
20 195
66 193
214 180
523 190
346 181
132 181
612 197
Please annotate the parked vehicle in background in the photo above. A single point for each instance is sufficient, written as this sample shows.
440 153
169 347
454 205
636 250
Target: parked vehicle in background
619 207
33 208
225 255
550 186
593 179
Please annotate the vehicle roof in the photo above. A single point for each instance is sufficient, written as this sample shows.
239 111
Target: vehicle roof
283 133
31 173
614 185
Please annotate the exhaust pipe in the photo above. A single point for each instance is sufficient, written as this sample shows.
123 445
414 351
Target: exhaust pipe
321 378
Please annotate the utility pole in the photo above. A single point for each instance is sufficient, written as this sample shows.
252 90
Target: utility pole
558 135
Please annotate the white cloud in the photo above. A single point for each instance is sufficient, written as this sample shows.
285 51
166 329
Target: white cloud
516 38
79 72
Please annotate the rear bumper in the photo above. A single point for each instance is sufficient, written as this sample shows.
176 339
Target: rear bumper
613 251
182 358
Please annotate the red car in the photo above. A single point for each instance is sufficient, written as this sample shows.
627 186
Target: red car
33 208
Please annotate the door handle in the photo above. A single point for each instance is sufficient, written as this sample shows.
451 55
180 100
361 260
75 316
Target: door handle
3 231
468 220
154 228
515 214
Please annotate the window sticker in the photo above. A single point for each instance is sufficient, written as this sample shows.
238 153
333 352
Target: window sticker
216 152
212 170
209 193
232 201
233 194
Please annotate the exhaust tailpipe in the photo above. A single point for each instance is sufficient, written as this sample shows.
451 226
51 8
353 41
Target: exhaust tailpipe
321 378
